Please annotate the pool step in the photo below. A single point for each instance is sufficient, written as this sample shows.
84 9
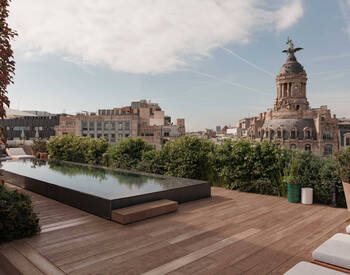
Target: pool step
143 211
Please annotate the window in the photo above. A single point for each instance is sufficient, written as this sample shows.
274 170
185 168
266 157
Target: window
293 134
107 125
347 141
327 135
127 125
21 128
69 123
272 134
99 125
328 150
91 125
279 134
84 125
308 134
297 107
293 146
259 133
166 134
308 147
267 134
120 126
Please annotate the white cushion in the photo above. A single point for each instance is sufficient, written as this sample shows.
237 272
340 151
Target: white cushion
348 229
311 269
335 251
15 151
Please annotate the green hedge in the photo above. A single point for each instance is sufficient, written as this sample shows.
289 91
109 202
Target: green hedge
249 166
77 149
126 154
17 219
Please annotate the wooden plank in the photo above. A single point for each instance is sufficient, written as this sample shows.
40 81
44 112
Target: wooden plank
143 211
14 262
171 266
194 241
36 259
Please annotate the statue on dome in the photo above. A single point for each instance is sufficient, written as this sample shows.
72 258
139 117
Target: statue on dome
291 50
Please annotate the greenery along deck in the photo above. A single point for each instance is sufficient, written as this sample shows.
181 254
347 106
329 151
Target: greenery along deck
229 233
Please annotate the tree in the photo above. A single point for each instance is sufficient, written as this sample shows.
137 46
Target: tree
7 63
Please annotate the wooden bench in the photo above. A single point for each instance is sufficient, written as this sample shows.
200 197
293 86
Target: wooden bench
143 211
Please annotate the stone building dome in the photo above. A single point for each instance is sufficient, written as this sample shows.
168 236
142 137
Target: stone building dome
292 66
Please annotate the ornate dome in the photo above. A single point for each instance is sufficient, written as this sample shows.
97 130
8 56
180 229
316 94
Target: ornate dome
292 66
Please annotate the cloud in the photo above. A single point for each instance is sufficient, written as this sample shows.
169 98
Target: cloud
289 15
144 36
344 7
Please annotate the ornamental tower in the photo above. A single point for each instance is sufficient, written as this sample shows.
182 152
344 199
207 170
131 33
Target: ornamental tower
291 83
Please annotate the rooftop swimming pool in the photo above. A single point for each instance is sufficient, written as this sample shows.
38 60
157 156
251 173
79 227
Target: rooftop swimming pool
99 190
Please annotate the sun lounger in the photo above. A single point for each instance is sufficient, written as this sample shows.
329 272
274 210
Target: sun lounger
348 229
334 253
18 153
306 268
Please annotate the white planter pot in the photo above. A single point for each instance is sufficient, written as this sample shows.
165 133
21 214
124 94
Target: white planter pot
306 195
346 187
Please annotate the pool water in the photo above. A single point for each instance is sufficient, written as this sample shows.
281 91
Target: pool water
100 182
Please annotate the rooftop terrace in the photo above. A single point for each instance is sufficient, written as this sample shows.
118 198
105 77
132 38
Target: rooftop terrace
229 233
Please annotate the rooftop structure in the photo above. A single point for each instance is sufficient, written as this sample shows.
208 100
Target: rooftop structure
292 123
142 118
230 233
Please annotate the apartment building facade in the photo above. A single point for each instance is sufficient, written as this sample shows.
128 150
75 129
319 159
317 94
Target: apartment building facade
141 119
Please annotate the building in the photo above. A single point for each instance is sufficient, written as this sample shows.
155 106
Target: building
29 127
292 123
142 118
344 132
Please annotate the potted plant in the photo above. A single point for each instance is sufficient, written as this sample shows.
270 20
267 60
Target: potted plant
343 158
39 148
292 179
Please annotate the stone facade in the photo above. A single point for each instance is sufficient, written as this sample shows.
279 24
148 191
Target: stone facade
292 123
29 127
142 119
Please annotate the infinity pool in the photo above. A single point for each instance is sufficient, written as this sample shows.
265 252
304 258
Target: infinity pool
96 189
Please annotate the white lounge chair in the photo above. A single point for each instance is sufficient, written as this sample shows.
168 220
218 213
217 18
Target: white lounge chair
306 268
18 153
334 253
348 229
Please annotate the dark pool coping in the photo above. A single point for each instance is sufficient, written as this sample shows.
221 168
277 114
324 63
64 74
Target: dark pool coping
196 189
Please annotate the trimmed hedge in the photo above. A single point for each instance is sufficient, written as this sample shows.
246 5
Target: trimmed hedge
17 219
126 154
77 149
249 166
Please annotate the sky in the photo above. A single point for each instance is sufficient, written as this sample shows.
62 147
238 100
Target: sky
211 62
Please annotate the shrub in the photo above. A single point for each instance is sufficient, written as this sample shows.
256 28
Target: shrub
152 162
95 148
127 153
187 157
77 149
344 164
39 146
251 166
17 219
330 183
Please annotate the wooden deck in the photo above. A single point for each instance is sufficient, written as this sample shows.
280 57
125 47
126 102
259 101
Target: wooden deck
230 233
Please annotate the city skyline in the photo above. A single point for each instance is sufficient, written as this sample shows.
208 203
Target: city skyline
207 74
